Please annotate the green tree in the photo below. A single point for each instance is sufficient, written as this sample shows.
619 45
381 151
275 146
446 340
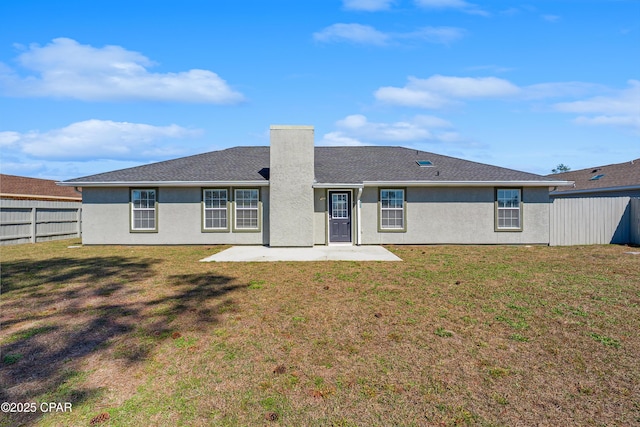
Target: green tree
561 168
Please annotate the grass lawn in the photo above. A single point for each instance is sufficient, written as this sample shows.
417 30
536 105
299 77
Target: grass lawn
452 336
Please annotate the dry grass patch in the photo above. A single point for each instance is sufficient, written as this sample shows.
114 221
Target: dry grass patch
454 335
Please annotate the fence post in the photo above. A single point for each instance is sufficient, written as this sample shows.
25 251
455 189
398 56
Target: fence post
34 227
79 219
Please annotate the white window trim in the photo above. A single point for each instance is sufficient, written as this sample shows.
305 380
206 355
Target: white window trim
519 209
403 228
154 209
236 209
205 209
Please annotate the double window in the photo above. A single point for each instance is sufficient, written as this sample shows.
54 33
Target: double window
509 209
392 210
218 207
144 210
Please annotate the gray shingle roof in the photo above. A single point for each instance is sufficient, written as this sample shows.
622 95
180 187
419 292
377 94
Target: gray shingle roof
232 164
332 165
358 164
618 175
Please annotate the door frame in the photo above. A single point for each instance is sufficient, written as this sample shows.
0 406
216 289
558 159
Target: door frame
351 216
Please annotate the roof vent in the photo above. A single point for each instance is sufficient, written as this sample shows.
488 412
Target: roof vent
595 170
424 163
596 177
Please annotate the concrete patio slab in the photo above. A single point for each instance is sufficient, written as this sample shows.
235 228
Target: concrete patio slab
316 253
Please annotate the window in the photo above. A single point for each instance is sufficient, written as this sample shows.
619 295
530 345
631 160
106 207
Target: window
247 209
339 205
215 209
508 204
143 210
392 210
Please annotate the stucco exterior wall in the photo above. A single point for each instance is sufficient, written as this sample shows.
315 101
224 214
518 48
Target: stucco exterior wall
457 216
320 216
433 215
106 219
291 175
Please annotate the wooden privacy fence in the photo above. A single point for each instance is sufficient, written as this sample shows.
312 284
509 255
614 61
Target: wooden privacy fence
594 220
31 221
573 221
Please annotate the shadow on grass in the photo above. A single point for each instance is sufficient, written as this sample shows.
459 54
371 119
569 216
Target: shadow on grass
75 308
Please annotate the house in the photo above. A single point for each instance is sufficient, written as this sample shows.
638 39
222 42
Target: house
602 207
23 188
37 210
616 180
293 194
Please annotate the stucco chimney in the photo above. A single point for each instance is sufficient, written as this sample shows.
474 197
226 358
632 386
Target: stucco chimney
291 176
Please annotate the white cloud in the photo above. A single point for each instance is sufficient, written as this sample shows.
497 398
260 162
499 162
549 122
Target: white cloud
560 90
23 168
8 139
367 35
621 109
438 35
66 69
439 91
409 96
359 126
356 129
468 87
461 5
367 5
339 139
618 108
99 139
355 33
619 121
442 4
626 101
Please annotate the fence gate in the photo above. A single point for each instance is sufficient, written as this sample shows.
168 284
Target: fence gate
591 220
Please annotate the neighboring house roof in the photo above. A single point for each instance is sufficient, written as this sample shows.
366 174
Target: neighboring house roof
344 165
20 187
615 177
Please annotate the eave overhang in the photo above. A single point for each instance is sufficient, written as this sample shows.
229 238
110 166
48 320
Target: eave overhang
337 185
261 183
596 190
264 183
38 196
468 183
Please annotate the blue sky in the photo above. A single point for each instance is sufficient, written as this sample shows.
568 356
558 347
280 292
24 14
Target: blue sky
93 86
